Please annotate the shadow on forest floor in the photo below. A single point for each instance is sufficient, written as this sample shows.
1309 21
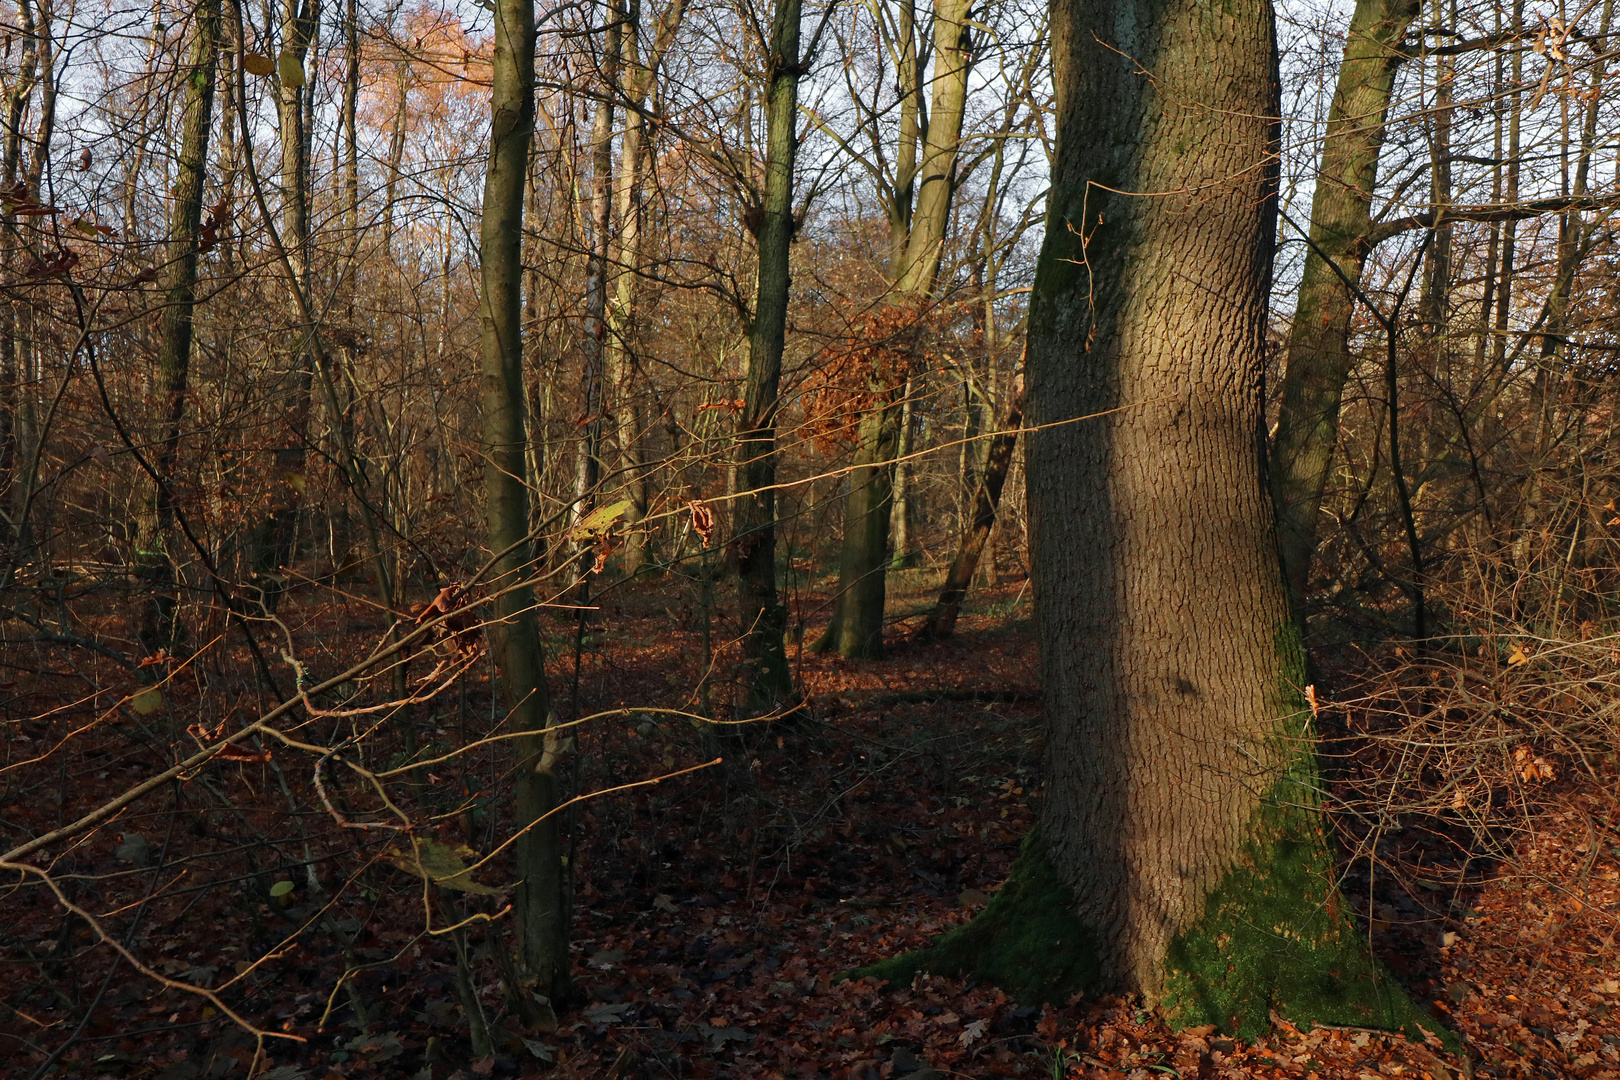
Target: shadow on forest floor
713 911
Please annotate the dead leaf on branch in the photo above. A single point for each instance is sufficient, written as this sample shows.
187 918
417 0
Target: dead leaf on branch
599 521
702 520
442 864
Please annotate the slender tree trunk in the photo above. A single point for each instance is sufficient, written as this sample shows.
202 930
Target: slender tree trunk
1434 307
351 139
979 517
1513 101
768 685
25 431
986 498
900 516
622 369
16 109
1179 852
909 77
856 628
589 470
1318 358
936 172
278 539
158 629
542 896
396 150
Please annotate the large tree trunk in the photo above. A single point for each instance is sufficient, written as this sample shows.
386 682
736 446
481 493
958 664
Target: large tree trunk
1179 853
541 898
768 685
1319 360
174 334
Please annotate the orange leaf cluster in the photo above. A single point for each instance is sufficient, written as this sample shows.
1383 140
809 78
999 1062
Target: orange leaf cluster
872 359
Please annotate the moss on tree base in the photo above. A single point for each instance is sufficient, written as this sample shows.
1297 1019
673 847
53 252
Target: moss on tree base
1275 939
1026 940
1272 940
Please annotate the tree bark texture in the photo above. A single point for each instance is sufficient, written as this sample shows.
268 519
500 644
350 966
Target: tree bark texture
1318 360
588 472
619 362
623 370
768 685
856 630
542 900
16 107
1178 852
277 539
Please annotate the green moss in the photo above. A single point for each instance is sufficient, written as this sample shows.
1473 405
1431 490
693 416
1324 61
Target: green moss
1274 936
1026 940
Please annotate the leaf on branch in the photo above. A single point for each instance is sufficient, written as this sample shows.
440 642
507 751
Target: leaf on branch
702 520
1517 657
441 864
292 72
147 702
254 64
599 521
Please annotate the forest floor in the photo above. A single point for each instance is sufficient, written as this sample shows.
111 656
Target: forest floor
716 910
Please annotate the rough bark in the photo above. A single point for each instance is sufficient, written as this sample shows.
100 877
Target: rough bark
767 682
541 898
1318 359
1179 853
175 327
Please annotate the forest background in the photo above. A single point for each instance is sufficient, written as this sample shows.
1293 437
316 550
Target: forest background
250 490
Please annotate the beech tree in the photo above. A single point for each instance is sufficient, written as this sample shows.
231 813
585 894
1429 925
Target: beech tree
764 619
1319 357
542 898
1179 851
919 199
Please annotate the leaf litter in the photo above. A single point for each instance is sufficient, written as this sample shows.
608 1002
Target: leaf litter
714 914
